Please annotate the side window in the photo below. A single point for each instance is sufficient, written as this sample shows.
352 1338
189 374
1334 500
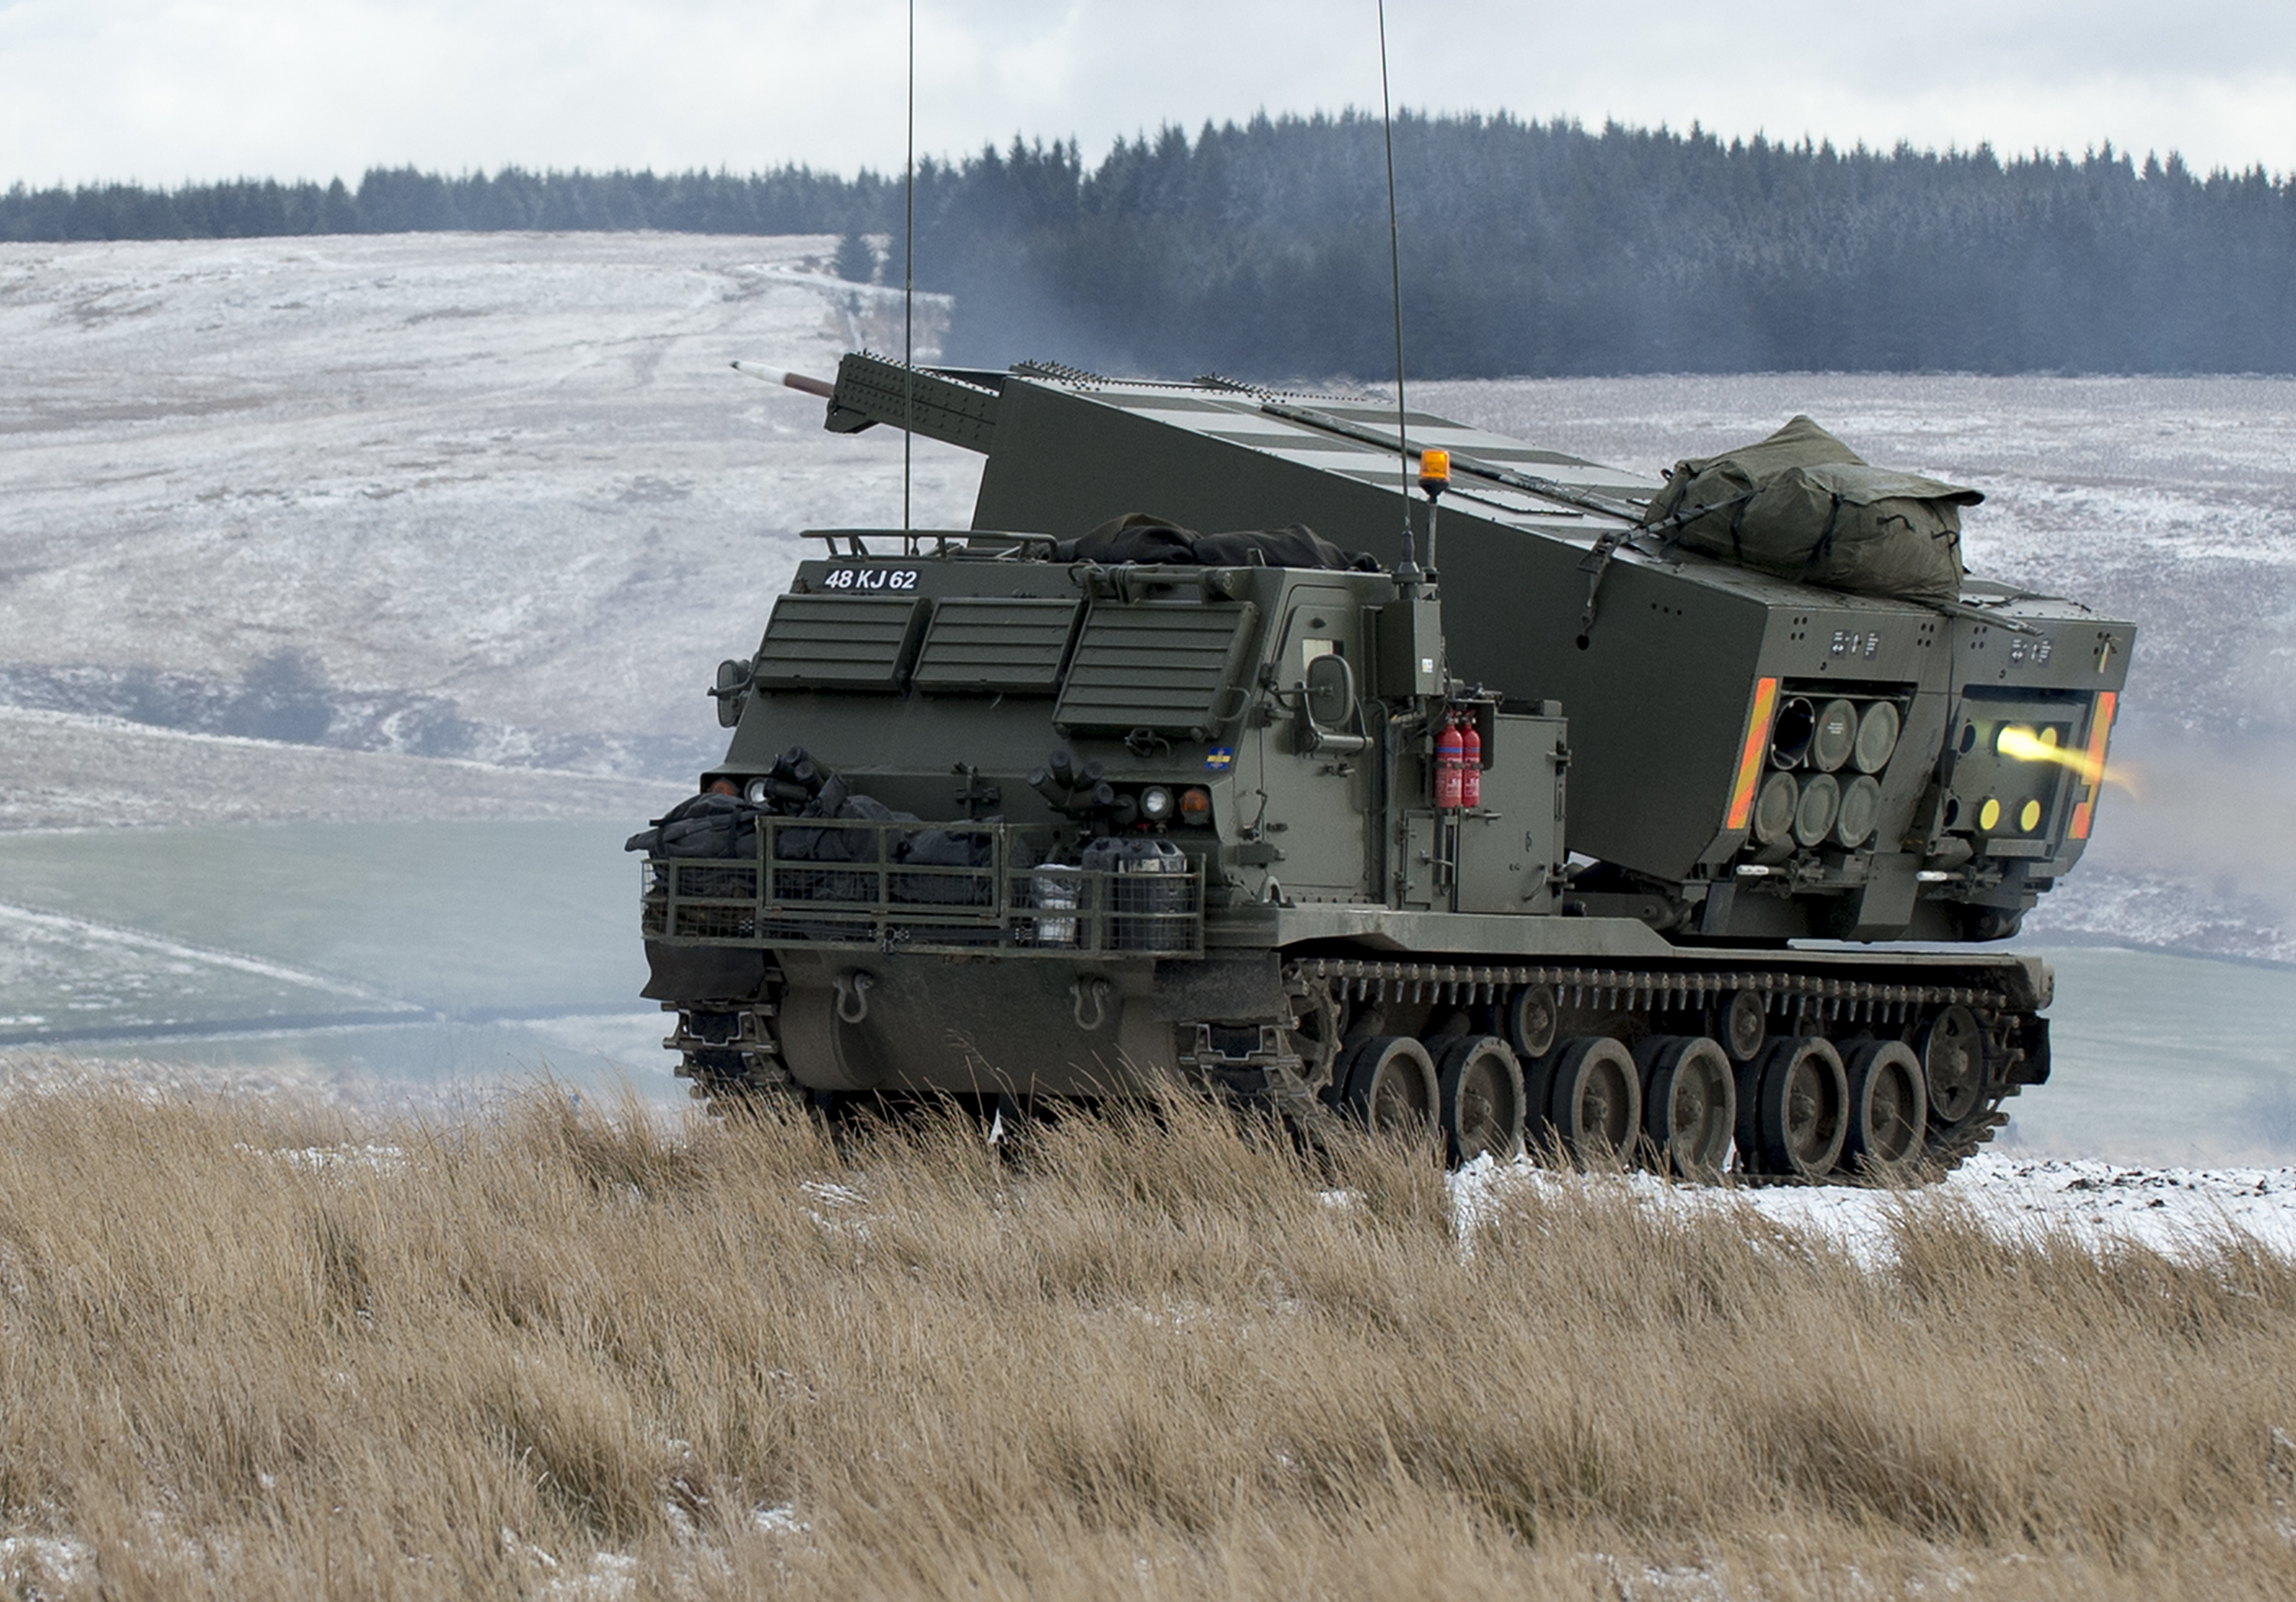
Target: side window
1318 624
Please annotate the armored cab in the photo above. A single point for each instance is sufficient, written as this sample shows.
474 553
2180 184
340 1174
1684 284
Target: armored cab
1527 840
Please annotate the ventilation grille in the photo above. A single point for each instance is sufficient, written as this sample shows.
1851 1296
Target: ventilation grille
1164 666
837 643
1013 646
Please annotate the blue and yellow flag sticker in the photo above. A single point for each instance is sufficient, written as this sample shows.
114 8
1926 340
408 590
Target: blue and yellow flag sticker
1219 759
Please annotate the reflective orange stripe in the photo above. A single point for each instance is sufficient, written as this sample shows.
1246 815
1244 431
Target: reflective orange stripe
2092 767
1750 755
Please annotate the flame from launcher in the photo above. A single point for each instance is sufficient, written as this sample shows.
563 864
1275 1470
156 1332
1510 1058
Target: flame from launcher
2023 745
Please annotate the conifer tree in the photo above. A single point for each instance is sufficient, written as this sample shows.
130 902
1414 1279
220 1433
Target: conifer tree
1547 248
855 262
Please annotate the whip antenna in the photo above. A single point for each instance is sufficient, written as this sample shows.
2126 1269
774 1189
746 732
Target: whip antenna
909 289
1408 573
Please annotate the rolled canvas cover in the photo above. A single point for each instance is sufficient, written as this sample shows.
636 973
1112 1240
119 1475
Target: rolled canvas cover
1804 505
1137 537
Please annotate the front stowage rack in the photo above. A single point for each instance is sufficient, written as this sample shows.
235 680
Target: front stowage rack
956 887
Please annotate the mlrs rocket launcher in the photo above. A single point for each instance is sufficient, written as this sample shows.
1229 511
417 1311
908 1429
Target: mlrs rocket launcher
1146 776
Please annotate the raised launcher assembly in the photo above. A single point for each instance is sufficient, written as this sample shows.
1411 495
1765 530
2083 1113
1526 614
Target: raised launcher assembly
1303 833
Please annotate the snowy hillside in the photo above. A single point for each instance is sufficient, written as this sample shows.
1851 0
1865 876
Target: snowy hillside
64 770
497 496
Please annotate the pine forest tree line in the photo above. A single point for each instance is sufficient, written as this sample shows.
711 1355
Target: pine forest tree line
1259 250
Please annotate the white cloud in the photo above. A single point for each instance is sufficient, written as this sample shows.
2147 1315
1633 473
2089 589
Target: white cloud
164 90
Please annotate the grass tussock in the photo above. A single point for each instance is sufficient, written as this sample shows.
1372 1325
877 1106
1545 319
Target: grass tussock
251 1348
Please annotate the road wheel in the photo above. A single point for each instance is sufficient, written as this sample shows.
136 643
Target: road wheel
1314 1036
1888 1108
1803 1115
1953 1059
1745 1026
1528 1020
1479 1085
1690 1104
1391 1086
1597 1098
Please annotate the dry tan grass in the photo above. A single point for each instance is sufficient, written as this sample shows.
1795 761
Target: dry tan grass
258 1348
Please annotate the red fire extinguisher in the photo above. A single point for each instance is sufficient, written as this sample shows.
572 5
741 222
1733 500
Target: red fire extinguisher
1450 766
1470 764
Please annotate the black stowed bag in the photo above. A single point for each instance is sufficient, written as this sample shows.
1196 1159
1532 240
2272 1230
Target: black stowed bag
950 848
829 846
819 864
702 825
946 848
1135 537
1804 505
1294 545
839 845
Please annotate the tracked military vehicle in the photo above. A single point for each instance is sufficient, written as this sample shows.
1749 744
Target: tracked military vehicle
1580 829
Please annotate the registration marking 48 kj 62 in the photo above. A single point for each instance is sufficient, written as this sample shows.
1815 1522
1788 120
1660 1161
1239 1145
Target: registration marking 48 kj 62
872 577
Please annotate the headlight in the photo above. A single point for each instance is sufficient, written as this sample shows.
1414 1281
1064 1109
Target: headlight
757 792
1155 803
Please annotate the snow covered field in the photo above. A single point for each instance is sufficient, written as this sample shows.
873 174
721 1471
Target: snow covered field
2177 1211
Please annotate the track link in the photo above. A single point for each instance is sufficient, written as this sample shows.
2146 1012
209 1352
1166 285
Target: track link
1852 1000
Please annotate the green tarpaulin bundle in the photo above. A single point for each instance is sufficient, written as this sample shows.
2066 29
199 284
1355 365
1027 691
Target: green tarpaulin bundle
1804 505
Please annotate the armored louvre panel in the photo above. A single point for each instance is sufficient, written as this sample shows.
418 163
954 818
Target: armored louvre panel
1008 645
1164 666
838 642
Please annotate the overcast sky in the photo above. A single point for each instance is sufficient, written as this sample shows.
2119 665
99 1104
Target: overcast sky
162 91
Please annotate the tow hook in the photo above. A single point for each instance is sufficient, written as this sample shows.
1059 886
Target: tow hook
1090 995
853 988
